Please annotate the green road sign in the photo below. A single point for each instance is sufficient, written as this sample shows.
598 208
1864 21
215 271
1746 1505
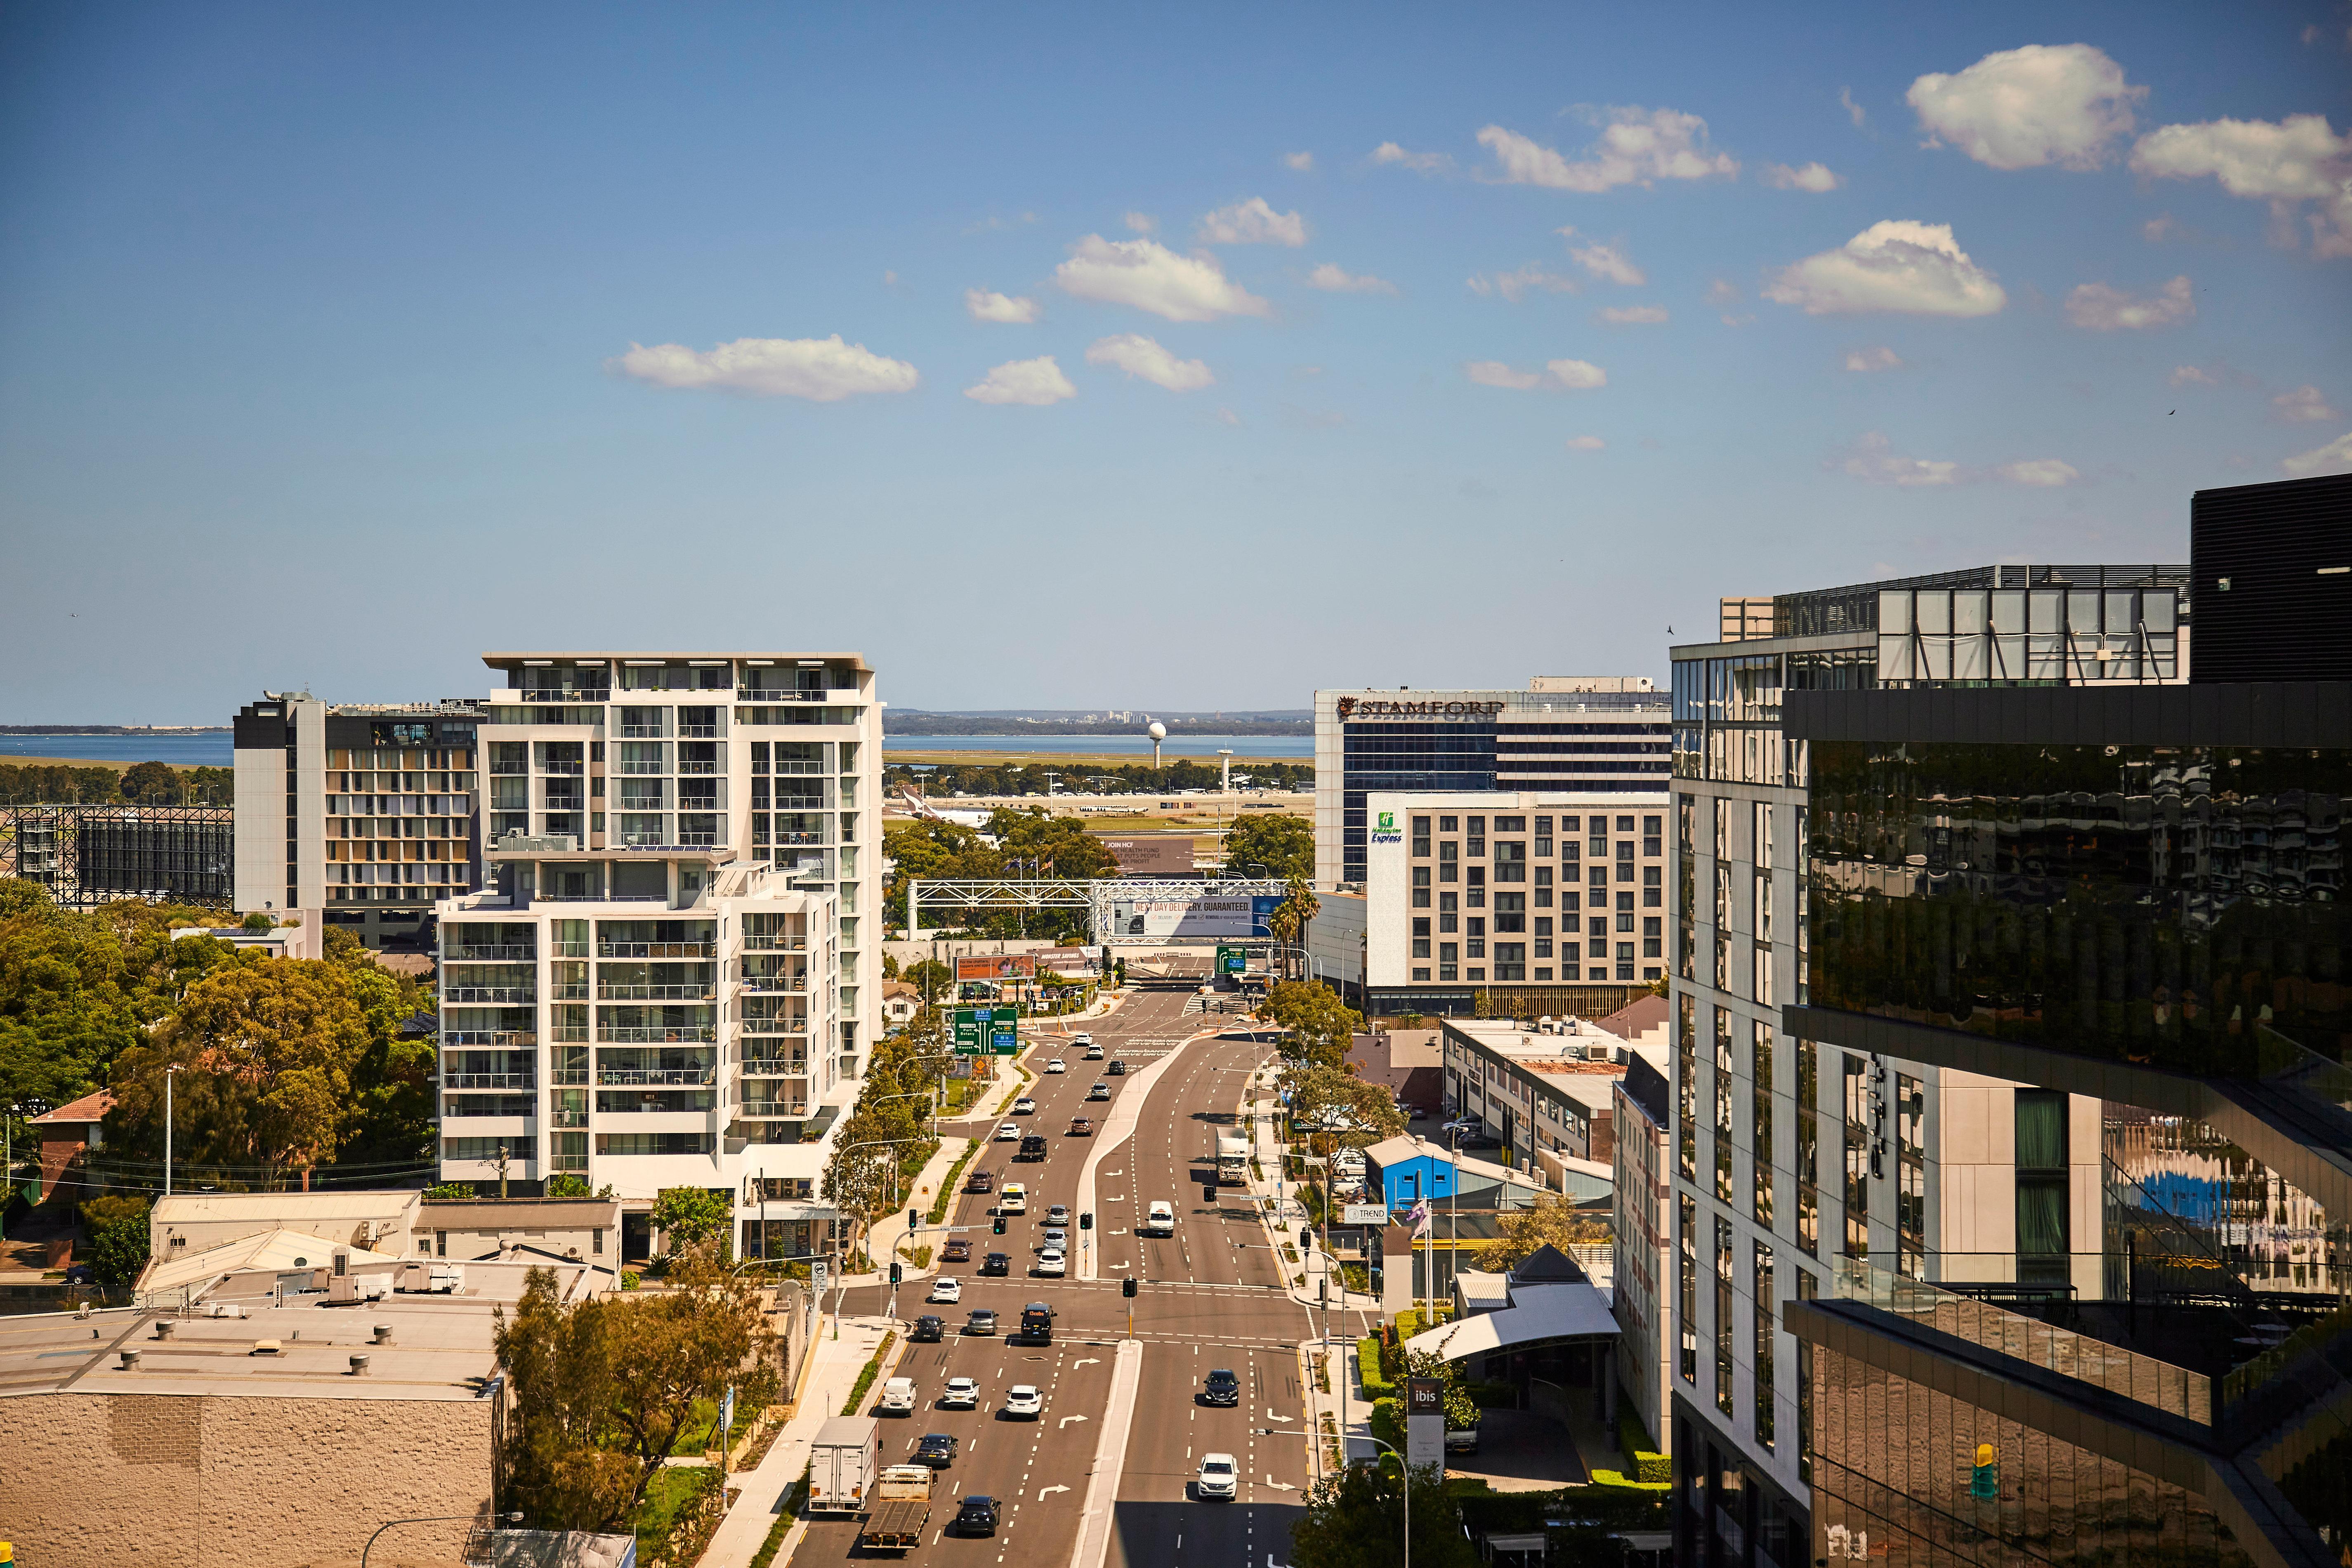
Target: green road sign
968 1024
1005 1031
1231 960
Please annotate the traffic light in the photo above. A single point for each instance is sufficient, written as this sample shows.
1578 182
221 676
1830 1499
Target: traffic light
1127 1286
1086 1220
911 1222
1984 1480
894 1273
1208 1192
1000 1225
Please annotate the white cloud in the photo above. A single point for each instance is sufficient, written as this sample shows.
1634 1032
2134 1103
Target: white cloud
1149 275
1252 221
1607 261
1388 152
1631 315
2157 228
2297 159
1865 361
2303 405
1585 443
2189 376
822 370
1228 418
1636 146
1845 97
2103 308
1304 162
1813 177
2040 473
1143 358
1516 286
1141 223
1336 279
1031 381
2336 457
984 305
2021 108
1722 292
1558 375
1895 264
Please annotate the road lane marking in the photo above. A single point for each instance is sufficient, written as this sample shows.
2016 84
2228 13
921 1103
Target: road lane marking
1043 1492
1066 1420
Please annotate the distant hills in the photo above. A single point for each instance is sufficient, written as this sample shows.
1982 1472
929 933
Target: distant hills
1101 721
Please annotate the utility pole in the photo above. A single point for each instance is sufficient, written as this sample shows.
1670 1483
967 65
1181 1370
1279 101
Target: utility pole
168 1073
502 1172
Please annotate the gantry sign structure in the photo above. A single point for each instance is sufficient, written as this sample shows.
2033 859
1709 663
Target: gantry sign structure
1124 911
91 855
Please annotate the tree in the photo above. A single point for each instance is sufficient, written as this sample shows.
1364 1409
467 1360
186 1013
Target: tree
930 978
571 1186
1290 919
889 965
1331 1102
1355 1519
1551 1221
691 1216
1276 846
152 784
119 1238
458 1192
1319 1025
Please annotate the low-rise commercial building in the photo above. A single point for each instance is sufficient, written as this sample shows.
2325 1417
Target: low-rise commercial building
1546 1091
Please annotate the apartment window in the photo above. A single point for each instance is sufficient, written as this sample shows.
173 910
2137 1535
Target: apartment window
1510 860
1626 913
1476 937
1653 937
1686 1087
1653 887
1448 953
1808 1148
1686 1306
1510 912
1421 975
1722 828
1760 1285
1476 837
1596 883
2042 1228
1652 837
1448 915
1759 1079
1448 825
1510 825
596 1242
1624 825
1543 837
1448 854
1857 1157
1723 1108
1723 1316
1911 1176
1510 960
440 1243
1543 885
1596 841
1421 886
1421 945
1421 836
1624 859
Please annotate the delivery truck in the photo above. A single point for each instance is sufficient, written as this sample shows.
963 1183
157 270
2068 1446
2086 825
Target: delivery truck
843 1464
1233 1158
901 1505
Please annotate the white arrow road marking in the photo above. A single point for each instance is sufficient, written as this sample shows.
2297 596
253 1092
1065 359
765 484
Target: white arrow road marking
1119 1266
1067 1419
1085 1360
1120 1232
1271 1417
1045 1492
1280 1485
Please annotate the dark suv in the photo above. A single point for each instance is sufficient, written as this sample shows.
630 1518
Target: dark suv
996 1263
928 1330
976 1516
1221 1387
1116 1069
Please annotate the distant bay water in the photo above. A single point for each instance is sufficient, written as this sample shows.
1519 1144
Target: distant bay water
213 748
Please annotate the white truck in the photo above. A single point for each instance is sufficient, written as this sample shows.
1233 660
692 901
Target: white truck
1233 1158
843 1464
901 1507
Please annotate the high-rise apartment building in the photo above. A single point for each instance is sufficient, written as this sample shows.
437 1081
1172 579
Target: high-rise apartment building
366 813
673 973
1791 1154
1589 734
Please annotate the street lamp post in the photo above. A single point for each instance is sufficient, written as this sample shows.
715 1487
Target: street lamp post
443 1518
168 1074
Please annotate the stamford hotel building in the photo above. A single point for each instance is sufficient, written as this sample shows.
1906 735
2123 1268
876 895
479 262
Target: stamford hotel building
2011 1107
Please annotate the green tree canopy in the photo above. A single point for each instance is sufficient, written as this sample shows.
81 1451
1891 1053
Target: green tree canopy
152 784
1550 1222
1319 1024
1355 1519
1281 843
1320 1095
691 1216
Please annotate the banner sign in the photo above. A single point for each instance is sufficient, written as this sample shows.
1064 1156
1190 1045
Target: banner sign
1002 966
1196 918
1363 1214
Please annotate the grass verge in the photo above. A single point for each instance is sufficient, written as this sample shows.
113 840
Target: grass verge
948 1188
666 1519
873 1369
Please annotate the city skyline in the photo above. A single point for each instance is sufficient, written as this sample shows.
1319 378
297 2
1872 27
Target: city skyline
1508 321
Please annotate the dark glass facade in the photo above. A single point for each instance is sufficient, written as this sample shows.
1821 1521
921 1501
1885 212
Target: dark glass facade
1407 756
2178 906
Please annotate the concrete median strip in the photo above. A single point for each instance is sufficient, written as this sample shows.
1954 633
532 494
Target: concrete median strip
1093 1544
1116 1129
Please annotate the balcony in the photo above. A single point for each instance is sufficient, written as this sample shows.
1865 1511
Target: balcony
501 995
771 1109
785 981
775 1067
698 769
697 731
565 769
642 732
568 948
511 953
643 770
690 1077
701 992
657 950
488 1081
569 1118
663 1035
773 944
566 1075
777 694
489 1040
574 993
568 1162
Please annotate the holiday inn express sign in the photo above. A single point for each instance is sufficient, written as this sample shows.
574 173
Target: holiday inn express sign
1351 708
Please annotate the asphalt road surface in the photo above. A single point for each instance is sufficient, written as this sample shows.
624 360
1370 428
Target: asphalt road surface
1210 1297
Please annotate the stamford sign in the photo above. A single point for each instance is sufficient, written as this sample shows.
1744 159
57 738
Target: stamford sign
1377 708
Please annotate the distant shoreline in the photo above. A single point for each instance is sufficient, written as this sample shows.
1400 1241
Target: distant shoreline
48 730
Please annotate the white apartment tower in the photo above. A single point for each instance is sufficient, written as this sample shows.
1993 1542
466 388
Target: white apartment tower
673 973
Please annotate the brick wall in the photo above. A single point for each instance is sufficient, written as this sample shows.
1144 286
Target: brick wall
179 1481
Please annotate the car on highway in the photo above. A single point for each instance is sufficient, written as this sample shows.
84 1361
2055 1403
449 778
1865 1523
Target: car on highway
996 1263
1218 1479
957 1251
1116 1069
1099 1091
961 1393
976 1516
1014 1199
1084 1039
1058 1213
1159 1219
1054 1236
937 1450
1221 1387
979 1321
1023 1402
1033 1147
929 1330
1053 1264
981 1182
1057 1064
1094 1052
1080 1128
1008 1132
944 1289
1024 1106
898 1397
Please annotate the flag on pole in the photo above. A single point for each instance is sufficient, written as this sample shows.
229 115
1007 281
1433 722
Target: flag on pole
1419 1218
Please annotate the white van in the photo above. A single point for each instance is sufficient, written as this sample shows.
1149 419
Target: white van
898 1397
1159 1219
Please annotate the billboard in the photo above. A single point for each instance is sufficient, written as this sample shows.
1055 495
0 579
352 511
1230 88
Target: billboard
1363 1214
1190 917
1003 966
1160 855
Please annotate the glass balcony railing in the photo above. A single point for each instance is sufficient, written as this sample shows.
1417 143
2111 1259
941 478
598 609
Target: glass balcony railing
657 1035
775 1067
487 1080
657 949
568 1076
499 996
772 1109
775 943
489 1040
693 991
697 731
504 952
778 694
690 1077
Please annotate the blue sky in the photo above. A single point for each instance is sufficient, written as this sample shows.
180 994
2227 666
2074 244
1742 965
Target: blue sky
337 346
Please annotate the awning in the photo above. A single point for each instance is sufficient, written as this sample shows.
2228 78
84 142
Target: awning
1538 1315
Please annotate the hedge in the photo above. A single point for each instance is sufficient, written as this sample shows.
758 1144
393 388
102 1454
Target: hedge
1368 1366
866 1378
1649 1466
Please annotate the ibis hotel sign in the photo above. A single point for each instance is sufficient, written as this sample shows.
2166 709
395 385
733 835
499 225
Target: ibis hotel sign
1351 709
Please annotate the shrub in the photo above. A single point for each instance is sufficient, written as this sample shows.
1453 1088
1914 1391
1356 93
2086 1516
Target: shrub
1648 1466
117 1228
1368 1367
630 1280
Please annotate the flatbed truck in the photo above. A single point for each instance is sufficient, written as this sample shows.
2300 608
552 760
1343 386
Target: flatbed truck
901 1506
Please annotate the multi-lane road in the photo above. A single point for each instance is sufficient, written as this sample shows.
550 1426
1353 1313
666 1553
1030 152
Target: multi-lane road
1212 1296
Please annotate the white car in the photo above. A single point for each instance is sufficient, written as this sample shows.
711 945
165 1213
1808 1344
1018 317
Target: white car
1024 1106
1057 1064
1052 1263
1008 1132
1159 1219
898 1397
1014 1199
944 1290
1219 1477
963 1393
1022 1402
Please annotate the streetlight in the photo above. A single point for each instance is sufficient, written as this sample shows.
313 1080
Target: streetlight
1403 1467
168 1073
515 1518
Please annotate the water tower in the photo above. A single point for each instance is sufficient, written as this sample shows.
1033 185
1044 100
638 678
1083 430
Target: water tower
1159 732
